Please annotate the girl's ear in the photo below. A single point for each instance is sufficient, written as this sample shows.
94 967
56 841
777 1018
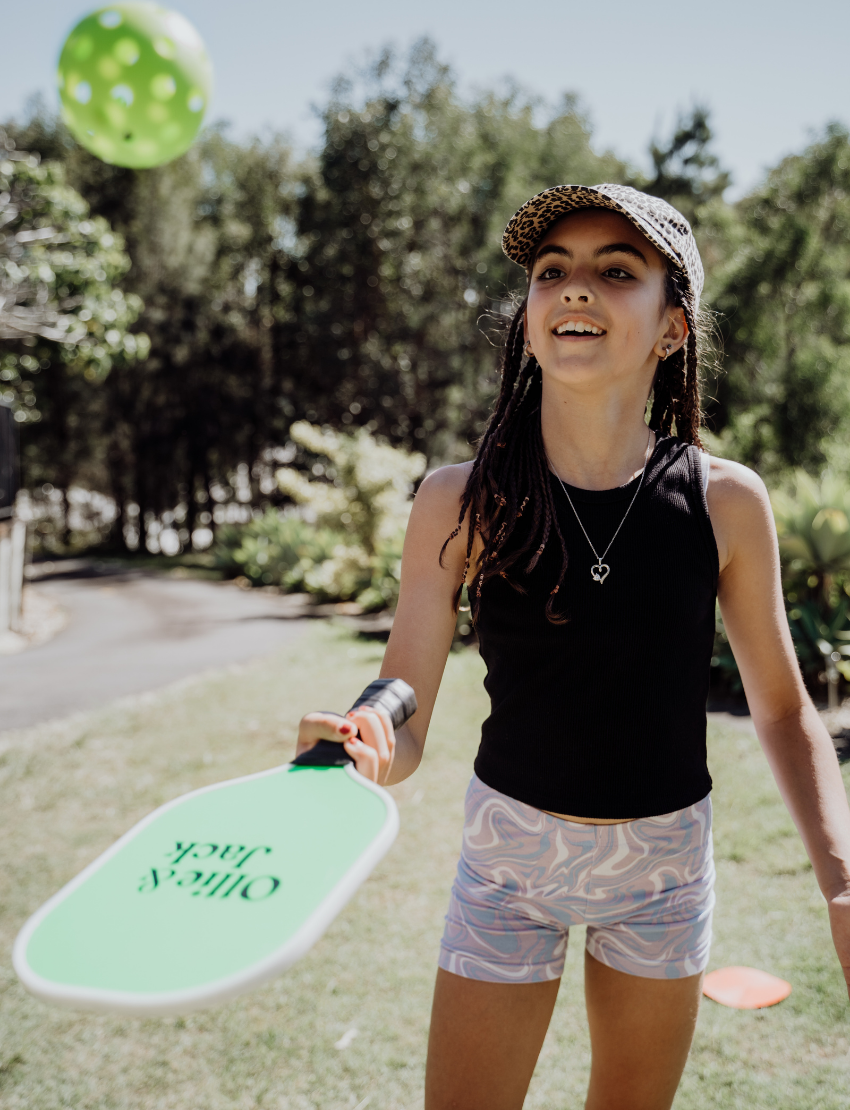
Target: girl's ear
675 333
527 342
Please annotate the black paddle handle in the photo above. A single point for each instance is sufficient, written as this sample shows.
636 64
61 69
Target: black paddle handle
392 694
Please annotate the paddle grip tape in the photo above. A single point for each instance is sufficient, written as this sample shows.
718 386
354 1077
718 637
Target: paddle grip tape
392 694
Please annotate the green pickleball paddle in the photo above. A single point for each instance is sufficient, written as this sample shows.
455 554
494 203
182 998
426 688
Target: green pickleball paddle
217 891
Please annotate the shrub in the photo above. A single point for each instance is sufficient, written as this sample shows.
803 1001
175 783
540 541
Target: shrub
366 487
278 549
362 490
813 527
343 539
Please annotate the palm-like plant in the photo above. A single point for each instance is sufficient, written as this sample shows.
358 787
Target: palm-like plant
813 524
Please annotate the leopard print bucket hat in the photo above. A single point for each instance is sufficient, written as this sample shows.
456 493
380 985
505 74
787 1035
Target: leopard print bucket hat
663 226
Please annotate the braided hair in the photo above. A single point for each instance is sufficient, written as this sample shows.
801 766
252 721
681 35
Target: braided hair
509 481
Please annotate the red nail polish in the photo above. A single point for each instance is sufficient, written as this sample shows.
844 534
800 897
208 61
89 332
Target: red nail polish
345 729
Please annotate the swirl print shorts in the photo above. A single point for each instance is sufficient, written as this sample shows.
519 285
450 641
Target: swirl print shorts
644 888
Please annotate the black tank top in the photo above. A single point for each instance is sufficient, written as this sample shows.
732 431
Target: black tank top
604 716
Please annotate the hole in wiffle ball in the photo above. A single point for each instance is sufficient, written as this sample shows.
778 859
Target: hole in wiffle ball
110 19
123 94
164 47
196 102
82 92
163 86
127 52
128 137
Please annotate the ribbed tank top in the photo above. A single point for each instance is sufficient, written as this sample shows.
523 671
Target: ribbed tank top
604 716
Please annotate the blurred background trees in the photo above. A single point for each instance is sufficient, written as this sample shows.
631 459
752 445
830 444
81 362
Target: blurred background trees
162 330
783 297
396 249
359 286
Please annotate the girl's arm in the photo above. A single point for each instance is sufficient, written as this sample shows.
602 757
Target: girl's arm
795 740
420 640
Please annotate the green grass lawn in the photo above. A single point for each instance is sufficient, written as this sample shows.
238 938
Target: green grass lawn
68 790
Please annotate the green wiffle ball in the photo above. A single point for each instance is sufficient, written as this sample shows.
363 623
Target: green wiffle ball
135 80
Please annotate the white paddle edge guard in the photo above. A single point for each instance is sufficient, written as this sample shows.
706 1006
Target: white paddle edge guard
162 1004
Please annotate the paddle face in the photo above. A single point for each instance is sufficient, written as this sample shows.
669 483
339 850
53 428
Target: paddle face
210 895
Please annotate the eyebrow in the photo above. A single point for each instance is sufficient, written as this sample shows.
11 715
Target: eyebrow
611 248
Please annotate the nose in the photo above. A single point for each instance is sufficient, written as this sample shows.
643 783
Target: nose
577 290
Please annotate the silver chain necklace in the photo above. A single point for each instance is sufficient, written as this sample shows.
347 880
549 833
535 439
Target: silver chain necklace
600 571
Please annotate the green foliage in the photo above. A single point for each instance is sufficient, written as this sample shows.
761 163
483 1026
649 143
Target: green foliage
344 538
813 528
687 173
821 633
60 304
395 253
278 549
358 286
363 488
784 296
203 234
355 287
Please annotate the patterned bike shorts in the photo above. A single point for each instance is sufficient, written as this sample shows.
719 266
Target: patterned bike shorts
644 888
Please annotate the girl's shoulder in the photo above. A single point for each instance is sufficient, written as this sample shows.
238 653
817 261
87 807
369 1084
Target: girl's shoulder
739 508
434 518
443 488
736 482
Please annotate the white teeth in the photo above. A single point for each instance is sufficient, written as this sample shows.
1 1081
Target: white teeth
578 327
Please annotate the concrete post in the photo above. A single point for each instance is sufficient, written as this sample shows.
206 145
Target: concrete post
16 586
5 576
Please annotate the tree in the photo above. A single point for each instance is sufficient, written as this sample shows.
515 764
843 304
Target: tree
396 249
784 299
203 235
64 320
687 174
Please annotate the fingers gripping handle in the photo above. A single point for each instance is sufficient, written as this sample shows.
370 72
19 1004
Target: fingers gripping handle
392 694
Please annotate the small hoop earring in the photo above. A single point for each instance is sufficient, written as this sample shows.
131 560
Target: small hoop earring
526 350
666 352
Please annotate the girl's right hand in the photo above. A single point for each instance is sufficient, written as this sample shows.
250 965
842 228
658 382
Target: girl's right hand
366 734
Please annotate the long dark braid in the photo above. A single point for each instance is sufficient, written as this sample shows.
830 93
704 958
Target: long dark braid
676 391
510 476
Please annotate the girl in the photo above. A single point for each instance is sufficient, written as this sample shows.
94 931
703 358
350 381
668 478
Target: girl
593 542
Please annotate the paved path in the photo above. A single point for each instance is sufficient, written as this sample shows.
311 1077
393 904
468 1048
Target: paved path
133 631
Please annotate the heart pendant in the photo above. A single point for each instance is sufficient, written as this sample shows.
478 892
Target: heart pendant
600 571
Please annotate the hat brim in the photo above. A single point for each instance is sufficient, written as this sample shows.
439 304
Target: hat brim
528 226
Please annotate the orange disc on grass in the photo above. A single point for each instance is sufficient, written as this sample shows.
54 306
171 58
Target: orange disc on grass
745 988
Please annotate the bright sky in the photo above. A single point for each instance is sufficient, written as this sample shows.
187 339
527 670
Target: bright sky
772 72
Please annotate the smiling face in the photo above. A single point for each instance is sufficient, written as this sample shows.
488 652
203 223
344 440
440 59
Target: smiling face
597 313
